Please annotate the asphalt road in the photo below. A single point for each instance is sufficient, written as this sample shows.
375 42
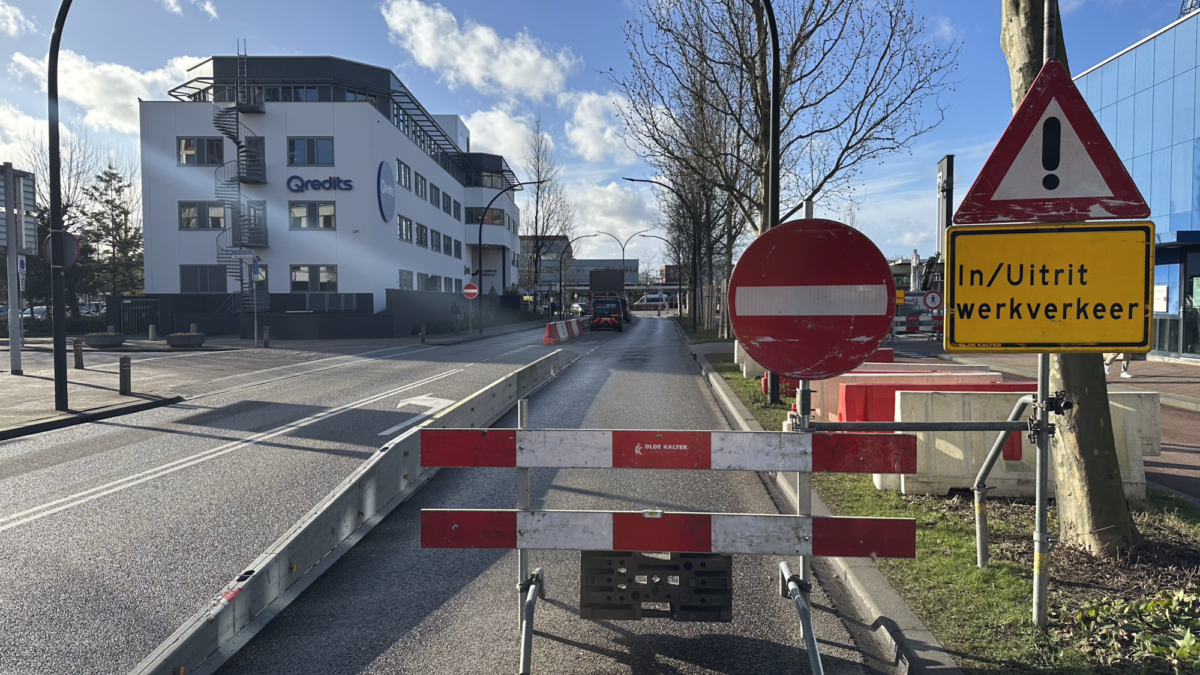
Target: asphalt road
390 607
1179 466
113 533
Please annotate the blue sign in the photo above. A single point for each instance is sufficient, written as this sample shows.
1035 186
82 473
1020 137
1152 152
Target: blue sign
298 184
254 269
386 185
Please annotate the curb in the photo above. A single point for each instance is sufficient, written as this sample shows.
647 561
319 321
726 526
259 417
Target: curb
1151 485
1169 400
90 415
914 649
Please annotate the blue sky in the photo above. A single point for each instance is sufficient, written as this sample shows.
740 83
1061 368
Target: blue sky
499 64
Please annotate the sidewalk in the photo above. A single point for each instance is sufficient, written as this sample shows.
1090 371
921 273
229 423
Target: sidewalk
161 378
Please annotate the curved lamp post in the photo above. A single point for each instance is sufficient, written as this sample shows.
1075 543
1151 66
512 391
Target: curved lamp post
695 242
678 266
479 270
562 301
623 245
58 302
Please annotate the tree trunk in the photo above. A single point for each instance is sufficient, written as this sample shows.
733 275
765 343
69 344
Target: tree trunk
1092 511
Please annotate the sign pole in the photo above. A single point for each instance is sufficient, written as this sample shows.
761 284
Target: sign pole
254 295
522 505
1041 538
12 222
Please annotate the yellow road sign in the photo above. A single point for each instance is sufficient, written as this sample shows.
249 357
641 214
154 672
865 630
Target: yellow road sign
899 297
1064 287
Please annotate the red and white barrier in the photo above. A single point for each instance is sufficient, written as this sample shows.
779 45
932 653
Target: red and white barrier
561 331
922 323
676 532
727 451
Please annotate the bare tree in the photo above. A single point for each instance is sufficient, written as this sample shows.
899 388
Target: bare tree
1092 511
549 215
857 78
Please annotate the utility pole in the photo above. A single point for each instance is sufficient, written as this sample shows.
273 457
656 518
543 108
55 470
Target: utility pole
57 248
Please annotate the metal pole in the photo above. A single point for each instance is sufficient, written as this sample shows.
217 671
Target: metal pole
918 426
537 588
57 257
254 299
482 216
804 486
981 522
13 220
798 596
1041 538
522 505
1050 46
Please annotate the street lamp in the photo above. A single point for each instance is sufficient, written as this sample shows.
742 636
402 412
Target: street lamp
678 267
562 301
623 245
58 294
479 270
695 242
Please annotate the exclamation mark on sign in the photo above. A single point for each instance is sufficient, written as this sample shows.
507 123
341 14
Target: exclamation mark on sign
1051 142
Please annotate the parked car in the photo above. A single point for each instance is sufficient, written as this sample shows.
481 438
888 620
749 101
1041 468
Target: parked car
581 309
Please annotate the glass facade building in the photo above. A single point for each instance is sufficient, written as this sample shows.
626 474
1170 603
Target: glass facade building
1147 99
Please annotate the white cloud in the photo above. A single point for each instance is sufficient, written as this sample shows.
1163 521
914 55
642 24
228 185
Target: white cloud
613 208
209 8
594 131
12 21
475 54
944 29
108 92
172 6
498 132
16 126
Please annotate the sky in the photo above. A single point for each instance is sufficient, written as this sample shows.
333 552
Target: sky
499 65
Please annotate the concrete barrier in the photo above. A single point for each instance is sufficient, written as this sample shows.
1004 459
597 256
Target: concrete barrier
750 367
950 460
826 392
561 331
380 484
877 402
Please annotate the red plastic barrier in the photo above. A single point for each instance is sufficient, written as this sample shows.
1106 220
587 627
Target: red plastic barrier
877 403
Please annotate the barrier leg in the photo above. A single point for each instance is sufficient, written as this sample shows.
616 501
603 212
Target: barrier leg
533 588
790 586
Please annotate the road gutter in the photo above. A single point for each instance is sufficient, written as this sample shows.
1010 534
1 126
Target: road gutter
913 648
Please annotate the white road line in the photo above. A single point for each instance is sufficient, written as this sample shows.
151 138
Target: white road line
434 405
69 502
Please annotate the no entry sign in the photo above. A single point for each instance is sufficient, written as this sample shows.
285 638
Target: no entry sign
811 299
470 291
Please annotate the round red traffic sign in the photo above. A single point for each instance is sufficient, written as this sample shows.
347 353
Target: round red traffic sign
811 299
932 300
470 291
70 249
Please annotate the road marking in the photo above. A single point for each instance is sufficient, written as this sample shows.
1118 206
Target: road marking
69 502
434 404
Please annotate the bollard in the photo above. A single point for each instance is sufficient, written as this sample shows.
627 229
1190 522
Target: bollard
77 346
125 388
112 329
266 336
153 332
193 329
422 332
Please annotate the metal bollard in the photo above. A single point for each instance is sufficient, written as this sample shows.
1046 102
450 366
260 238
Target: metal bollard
266 336
193 329
112 329
422 332
77 346
153 332
125 388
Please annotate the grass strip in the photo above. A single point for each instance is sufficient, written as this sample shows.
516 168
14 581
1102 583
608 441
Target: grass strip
983 616
701 335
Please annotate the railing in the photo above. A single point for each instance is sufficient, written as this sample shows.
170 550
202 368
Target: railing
249 236
331 302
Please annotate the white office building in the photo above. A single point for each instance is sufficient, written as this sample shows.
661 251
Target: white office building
333 178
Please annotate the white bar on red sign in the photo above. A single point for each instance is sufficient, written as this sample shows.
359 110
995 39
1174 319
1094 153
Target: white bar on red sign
564 448
812 300
729 451
702 533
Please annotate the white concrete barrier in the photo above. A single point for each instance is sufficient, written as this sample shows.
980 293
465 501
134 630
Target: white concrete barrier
750 368
384 481
951 460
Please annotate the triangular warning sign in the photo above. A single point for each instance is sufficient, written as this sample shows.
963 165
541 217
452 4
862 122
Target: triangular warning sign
1053 164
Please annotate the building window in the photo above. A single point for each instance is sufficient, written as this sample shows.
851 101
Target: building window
314 279
404 175
201 215
312 216
446 203
201 151
434 284
202 279
447 244
310 151
458 285
493 217
406 280
422 281
435 196
405 229
457 211
422 235
421 192
458 249
435 241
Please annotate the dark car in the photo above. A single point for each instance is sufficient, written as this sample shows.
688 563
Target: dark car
581 309
606 313
625 311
